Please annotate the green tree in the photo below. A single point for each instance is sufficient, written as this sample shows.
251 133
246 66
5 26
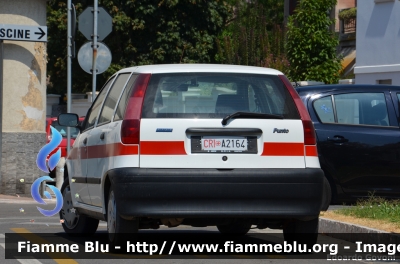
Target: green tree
144 32
254 35
311 46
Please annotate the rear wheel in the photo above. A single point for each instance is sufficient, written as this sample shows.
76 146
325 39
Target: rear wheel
118 229
72 221
52 174
327 195
303 232
332 186
239 228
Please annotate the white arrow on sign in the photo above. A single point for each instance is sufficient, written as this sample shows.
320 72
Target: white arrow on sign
23 33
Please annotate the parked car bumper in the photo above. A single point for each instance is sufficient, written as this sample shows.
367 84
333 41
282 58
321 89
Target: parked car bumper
261 193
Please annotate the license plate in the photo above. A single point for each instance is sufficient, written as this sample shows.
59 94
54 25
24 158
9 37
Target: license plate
223 144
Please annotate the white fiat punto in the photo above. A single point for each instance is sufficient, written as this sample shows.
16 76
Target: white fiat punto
198 145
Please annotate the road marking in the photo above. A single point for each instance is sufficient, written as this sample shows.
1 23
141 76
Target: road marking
38 240
29 261
22 261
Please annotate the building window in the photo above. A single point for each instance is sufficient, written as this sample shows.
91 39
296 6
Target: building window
387 81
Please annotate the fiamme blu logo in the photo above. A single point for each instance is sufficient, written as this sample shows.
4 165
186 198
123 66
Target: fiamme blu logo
47 166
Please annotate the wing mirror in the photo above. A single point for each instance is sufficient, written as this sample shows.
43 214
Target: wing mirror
69 120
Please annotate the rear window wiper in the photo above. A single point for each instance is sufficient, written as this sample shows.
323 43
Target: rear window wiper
249 115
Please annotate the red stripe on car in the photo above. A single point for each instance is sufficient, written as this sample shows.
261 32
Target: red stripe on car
162 148
311 151
283 149
178 148
104 151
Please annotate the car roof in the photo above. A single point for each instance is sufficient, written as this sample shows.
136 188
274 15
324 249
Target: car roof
343 87
223 68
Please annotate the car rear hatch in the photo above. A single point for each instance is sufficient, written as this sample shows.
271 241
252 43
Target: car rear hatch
222 121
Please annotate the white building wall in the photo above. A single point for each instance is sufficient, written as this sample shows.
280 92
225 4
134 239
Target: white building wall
378 41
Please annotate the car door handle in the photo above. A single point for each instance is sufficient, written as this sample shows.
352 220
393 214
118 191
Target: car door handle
85 141
102 136
338 139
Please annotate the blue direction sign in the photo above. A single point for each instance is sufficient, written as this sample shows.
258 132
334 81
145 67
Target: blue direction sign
23 33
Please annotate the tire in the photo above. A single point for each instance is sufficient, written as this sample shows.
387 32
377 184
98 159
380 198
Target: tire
327 195
332 186
119 230
303 232
238 228
75 223
52 174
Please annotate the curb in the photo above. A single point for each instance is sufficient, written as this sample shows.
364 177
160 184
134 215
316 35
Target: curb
353 232
10 199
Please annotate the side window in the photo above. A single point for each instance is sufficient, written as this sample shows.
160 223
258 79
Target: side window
94 111
361 109
347 108
120 112
112 98
324 109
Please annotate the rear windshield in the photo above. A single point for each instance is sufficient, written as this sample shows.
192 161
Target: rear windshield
215 95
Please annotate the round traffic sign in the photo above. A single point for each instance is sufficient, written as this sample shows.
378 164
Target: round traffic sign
85 57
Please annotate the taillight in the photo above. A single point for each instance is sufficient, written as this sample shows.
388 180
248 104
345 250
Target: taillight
308 127
309 133
130 128
130 131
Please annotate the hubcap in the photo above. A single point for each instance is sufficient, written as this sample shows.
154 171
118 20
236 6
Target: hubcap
111 216
68 212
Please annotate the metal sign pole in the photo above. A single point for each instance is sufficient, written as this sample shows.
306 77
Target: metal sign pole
1 101
94 72
69 75
95 23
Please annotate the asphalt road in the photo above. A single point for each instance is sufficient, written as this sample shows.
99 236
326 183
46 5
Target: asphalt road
23 217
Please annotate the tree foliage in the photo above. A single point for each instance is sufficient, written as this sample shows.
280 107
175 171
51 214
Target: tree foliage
311 46
144 32
254 35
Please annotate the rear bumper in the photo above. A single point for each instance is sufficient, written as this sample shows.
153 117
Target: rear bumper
260 193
